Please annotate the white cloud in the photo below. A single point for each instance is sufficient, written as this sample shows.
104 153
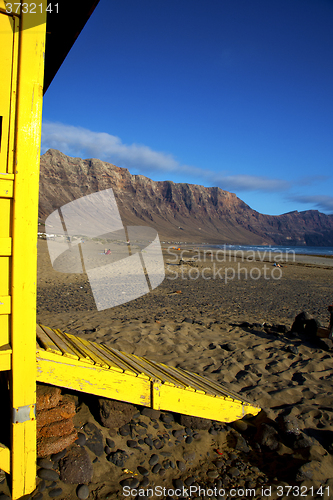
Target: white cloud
84 143
324 203
251 183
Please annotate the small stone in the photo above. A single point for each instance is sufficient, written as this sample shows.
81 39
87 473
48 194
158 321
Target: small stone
172 464
158 444
167 418
143 424
189 456
166 464
133 482
240 425
94 439
107 450
149 442
42 485
188 320
212 474
178 483
52 485
110 443
162 472
76 466
234 472
188 481
143 471
132 444
144 483
48 474
125 430
151 413
118 458
82 492
179 434
81 439
181 466
156 468
153 459
55 492
293 349
188 439
44 463
57 456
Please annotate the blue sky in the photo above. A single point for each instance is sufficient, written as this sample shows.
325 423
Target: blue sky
230 93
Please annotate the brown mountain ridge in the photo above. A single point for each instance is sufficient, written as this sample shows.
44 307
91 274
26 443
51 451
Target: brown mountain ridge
178 211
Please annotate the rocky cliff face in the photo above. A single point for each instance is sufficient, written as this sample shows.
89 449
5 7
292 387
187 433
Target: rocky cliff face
179 212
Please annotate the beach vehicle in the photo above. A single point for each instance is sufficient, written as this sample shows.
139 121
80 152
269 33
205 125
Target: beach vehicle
57 358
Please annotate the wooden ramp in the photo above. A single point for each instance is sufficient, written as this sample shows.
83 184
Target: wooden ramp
75 363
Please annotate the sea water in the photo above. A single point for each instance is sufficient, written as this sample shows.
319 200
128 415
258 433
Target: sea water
279 249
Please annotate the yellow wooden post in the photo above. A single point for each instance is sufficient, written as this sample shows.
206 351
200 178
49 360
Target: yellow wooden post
22 72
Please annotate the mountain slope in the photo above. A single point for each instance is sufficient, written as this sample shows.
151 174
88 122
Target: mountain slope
179 212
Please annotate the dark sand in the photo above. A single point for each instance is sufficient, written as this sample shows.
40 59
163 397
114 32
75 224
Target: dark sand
260 367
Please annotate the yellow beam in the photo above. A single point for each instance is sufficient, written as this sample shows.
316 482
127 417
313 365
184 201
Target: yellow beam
24 252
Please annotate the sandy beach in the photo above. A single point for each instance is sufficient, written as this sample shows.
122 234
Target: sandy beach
221 318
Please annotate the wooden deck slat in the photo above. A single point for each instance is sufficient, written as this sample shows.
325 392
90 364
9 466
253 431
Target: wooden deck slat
200 388
159 374
124 358
114 363
46 342
70 339
118 361
93 352
65 349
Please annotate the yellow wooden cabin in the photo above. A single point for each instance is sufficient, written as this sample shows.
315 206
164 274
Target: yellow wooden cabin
30 33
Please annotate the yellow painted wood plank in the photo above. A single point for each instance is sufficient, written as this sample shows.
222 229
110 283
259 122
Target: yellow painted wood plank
58 341
93 380
117 361
88 346
46 342
24 252
6 65
4 276
6 188
220 390
132 365
107 358
154 369
7 176
4 329
13 99
201 405
5 458
5 217
5 246
5 358
5 304
77 348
